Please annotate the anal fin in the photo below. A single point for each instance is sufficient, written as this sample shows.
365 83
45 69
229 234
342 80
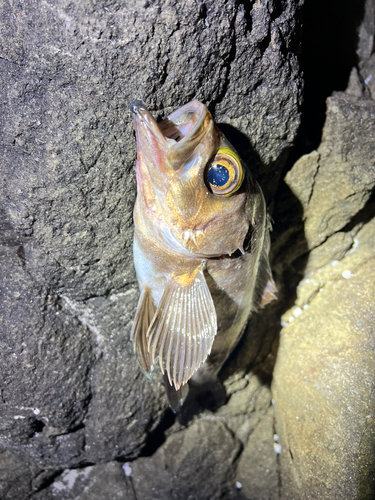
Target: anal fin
184 327
269 293
143 318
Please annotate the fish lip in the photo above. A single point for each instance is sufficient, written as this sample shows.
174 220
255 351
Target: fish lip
135 105
143 119
196 108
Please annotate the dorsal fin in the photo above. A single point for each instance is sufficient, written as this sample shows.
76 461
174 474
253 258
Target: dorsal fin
265 288
183 329
143 317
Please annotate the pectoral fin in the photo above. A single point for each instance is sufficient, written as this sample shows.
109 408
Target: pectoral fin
183 329
176 397
143 317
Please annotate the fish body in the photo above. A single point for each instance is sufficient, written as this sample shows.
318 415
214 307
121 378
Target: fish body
201 246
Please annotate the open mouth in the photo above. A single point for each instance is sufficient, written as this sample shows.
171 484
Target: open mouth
182 125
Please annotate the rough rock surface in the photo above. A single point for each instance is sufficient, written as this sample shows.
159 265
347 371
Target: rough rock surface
98 482
71 392
323 384
78 419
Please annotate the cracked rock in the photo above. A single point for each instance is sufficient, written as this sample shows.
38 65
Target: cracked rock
334 183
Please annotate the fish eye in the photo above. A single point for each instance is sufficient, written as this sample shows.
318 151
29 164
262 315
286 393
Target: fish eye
224 175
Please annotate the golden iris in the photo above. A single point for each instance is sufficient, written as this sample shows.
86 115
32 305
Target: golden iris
225 174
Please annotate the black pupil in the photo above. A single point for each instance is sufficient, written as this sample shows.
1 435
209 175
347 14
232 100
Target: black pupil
217 175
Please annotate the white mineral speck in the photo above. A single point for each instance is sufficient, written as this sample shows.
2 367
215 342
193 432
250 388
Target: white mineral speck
238 485
283 323
347 274
297 312
127 469
277 448
368 79
275 438
291 319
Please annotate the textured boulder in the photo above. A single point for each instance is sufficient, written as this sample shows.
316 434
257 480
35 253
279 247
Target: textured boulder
174 471
324 374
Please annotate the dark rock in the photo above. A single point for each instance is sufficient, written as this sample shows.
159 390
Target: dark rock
196 463
71 390
257 470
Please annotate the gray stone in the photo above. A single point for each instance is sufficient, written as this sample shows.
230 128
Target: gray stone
257 469
15 476
196 463
98 482
71 390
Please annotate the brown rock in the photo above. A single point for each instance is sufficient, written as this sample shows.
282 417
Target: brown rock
334 183
323 382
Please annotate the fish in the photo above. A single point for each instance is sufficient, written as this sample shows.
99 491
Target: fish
201 247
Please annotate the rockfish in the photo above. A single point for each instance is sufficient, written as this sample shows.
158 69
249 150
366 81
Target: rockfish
201 247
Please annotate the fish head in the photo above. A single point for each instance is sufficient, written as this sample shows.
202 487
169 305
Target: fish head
191 182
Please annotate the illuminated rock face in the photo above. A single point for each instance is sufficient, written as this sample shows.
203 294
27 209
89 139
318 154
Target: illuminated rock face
323 384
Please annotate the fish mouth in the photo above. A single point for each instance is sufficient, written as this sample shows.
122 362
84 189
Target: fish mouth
184 125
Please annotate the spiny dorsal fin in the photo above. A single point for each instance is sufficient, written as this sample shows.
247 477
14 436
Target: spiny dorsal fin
143 317
265 288
183 329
